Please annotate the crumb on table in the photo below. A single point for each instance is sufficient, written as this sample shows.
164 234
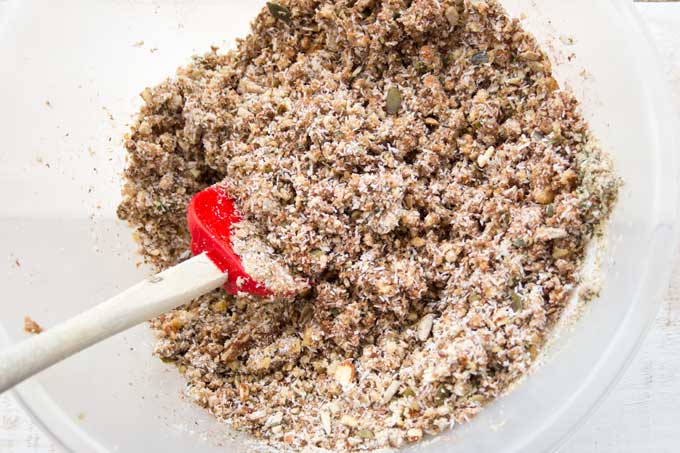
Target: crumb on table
30 326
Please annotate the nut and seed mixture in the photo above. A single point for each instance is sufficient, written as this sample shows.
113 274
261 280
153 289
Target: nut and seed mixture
415 161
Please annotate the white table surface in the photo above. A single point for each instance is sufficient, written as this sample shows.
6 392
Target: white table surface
642 414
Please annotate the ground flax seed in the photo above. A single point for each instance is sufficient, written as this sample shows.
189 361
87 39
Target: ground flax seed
414 160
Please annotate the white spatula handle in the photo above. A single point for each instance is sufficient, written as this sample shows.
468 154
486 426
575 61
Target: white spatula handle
150 298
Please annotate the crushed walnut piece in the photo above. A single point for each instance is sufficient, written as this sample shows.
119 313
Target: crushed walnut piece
417 162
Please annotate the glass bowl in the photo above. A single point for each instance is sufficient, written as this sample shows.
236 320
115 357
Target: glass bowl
71 75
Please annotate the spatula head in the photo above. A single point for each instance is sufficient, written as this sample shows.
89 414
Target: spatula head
211 215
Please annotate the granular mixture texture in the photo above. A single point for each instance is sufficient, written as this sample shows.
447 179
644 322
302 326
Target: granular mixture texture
415 161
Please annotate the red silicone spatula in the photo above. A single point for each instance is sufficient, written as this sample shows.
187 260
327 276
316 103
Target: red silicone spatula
210 216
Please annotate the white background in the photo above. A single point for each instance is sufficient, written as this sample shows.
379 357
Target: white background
642 414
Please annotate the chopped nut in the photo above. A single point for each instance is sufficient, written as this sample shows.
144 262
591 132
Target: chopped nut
326 422
248 86
243 392
220 306
569 179
345 374
431 219
559 253
425 327
308 338
432 122
235 347
549 234
414 434
317 253
544 196
483 159
530 56
274 420
396 441
349 421
452 15
390 391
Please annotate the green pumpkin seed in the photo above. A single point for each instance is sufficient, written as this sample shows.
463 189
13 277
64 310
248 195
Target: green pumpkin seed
279 11
517 303
519 243
480 58
442 396
366 434
393 100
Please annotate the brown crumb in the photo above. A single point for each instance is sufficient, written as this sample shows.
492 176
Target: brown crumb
30 326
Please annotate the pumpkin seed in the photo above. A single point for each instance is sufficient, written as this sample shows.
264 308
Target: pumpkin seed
366 434
480 58
550 210
279 11
393 100
409 392
517 303
421 68
317 253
